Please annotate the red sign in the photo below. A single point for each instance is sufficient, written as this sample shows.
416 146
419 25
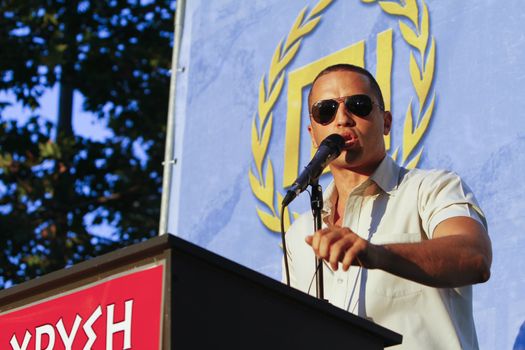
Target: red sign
120 313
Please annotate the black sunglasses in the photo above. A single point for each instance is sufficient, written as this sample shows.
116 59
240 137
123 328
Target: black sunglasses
324 111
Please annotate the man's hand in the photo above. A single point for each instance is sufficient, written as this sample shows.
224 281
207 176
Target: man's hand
340 244
459 254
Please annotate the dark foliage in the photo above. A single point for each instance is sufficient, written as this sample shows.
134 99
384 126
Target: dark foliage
55 185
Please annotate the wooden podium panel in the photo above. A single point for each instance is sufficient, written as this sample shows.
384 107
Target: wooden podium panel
202 301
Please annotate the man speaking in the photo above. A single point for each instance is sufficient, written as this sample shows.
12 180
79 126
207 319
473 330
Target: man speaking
399 247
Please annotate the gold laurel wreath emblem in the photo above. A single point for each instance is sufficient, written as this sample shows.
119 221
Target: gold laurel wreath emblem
421 74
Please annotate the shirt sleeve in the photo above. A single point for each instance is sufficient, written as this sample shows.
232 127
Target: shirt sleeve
443 195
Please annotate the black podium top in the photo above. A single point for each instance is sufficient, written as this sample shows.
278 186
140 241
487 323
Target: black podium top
212 301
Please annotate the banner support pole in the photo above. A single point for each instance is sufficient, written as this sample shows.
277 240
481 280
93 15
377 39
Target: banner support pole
169 160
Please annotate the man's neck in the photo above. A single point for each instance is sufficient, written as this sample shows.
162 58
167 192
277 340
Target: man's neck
345 181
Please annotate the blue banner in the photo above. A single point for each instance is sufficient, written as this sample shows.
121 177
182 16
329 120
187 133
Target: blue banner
448 71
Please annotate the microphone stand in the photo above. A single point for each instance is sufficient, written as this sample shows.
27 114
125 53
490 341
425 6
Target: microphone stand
316 201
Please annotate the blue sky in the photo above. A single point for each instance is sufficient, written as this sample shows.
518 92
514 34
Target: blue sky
84 124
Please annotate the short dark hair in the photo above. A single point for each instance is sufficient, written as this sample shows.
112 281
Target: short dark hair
351 68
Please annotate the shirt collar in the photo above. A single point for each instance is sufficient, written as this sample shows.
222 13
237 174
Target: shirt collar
386 176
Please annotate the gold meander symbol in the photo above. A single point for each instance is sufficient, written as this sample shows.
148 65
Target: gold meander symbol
416 34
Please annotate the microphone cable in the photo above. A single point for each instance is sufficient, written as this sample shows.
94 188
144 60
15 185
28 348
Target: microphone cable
283 239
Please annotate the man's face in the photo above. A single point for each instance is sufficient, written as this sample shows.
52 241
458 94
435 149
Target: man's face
365 146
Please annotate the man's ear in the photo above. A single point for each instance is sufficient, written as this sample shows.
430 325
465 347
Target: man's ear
311 132
387 122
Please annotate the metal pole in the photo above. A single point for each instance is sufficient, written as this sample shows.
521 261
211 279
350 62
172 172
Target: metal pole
316 202
169 160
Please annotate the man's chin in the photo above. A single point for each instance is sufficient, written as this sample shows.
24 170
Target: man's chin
352 156
354 160
348 159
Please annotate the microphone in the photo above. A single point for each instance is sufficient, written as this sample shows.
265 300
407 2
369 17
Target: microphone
329 149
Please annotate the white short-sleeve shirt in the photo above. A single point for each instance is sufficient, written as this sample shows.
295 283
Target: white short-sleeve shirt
395 205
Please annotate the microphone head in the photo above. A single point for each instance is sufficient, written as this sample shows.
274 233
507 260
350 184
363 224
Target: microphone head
335 142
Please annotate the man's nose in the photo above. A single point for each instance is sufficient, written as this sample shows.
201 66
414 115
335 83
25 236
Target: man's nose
344 117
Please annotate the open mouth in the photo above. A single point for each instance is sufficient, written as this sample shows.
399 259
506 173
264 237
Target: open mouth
350 139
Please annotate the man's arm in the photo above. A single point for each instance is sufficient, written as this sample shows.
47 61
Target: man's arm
459 253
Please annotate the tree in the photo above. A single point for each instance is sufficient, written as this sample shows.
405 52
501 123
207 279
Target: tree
54 184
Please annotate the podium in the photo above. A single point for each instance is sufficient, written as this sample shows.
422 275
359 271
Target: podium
166 293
